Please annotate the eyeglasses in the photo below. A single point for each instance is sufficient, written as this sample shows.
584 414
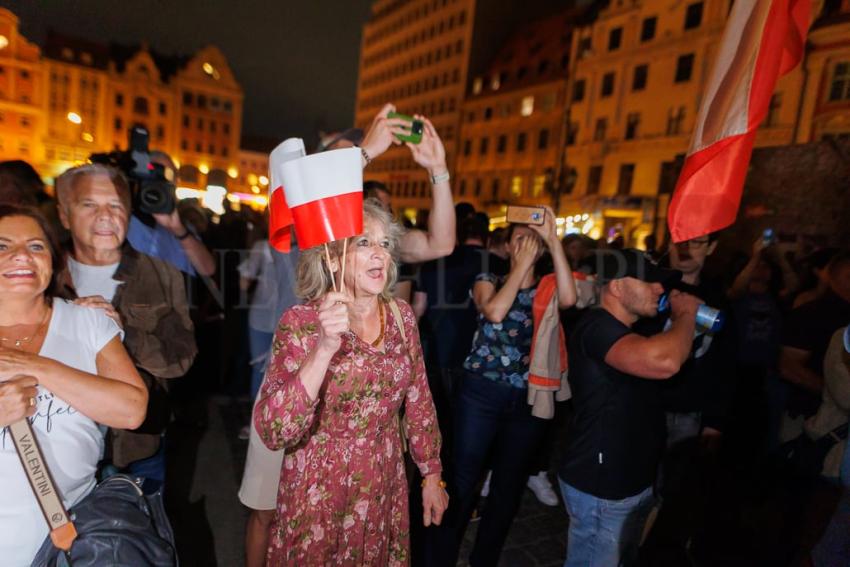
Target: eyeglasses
696 243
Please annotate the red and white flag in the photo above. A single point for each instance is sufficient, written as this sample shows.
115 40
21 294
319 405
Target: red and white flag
280 216
763 40
324 193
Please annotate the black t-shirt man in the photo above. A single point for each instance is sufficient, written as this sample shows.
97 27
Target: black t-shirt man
617 437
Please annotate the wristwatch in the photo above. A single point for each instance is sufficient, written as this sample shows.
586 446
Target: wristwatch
441 178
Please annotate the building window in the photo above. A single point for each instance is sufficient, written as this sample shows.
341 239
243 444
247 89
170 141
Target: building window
202 101
772 118
488 113
607 85
228 106
527 107
584 46
594 179
639 80
693 16
463 187
516 186
599 131
684 68
211 149
467 147
538 184
520 141
647 28
212 126
200 123
224 152
185 120
160 132
494 190
477 187
501 144
162 109
572 134
119 100
840 87
624 183
543 67
187 98
184 145
543 139
482 149
675 121
198 147
615 38
632 125
118 124
578 90
225 128
140 105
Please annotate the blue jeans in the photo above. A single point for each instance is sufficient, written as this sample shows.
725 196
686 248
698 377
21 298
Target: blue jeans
493 425
259 343
604 533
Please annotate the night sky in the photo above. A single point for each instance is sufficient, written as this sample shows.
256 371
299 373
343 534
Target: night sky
296 60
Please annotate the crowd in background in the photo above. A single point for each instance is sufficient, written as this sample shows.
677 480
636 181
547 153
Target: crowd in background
756 414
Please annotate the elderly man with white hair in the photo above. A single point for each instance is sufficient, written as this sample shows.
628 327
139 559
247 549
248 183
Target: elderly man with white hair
144 295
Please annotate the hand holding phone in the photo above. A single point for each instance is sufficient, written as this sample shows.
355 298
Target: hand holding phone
414 128
525 215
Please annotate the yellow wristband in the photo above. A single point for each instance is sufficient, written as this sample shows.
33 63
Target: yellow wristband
441 483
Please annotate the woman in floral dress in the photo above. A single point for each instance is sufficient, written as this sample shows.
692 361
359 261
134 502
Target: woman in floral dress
339 375
493 422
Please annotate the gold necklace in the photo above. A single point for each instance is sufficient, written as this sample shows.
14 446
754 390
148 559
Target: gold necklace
377 341
19 342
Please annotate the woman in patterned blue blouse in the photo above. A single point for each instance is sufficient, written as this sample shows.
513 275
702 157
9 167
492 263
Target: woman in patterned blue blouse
493 421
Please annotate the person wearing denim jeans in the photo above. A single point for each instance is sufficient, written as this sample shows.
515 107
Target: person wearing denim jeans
617 438
492 419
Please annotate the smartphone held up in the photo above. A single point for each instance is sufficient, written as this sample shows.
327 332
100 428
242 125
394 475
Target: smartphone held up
525 215
413 128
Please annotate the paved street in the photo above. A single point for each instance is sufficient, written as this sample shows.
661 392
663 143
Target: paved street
209 520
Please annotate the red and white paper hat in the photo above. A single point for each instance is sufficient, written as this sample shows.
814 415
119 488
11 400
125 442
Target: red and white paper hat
324 193
280 216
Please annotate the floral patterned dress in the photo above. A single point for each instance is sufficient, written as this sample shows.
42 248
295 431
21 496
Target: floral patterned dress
343 490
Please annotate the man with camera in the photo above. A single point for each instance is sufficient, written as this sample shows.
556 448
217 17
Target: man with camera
144 295
617 437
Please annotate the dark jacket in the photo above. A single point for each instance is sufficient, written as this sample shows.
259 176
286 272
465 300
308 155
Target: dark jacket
160 339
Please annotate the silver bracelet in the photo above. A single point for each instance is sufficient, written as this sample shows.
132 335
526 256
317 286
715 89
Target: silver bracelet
442 178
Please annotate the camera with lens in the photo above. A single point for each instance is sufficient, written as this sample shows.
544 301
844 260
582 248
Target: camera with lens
153 192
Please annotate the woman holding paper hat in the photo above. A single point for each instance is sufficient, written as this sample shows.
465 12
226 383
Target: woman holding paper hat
342 367
63 366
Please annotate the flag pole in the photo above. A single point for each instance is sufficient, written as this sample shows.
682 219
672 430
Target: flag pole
342 270
330 269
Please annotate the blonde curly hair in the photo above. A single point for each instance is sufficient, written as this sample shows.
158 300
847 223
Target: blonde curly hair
313 276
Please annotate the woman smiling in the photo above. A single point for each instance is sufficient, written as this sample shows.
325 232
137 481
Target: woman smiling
64 367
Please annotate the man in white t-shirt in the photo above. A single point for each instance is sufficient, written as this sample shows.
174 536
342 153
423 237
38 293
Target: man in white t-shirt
144 295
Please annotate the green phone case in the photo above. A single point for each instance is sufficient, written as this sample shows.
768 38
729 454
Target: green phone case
415 128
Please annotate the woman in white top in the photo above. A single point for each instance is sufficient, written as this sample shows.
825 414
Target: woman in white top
61 365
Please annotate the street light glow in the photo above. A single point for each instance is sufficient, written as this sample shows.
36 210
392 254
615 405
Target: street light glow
264 180
87 137
232 172
204 168
75 118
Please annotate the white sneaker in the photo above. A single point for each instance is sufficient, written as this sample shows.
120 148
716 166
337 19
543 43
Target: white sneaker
485 490
542 489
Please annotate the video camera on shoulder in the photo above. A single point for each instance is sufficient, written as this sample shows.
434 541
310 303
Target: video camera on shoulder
153 192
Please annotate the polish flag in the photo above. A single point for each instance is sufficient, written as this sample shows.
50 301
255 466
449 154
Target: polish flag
324 193
280 216
763 40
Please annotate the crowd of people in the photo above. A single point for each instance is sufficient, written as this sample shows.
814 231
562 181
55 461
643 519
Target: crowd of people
430 374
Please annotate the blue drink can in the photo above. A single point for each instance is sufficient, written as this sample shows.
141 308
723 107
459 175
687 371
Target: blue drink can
708 318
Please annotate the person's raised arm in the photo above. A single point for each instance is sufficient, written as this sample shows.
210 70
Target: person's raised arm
439 240
563 274
199 256
660 356
493 304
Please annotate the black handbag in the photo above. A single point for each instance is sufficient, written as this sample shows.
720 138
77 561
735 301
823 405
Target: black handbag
117 524
803 456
